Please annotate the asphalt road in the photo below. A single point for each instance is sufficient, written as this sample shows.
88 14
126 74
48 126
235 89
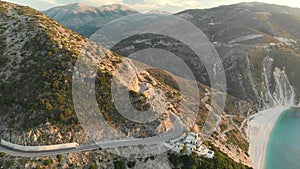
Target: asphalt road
176 131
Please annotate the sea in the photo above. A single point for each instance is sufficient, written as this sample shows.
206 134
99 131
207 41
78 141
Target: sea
283 148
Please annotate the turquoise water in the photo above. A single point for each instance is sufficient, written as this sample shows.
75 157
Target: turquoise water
283 149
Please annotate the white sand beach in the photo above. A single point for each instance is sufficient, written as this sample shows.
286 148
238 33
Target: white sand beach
261 126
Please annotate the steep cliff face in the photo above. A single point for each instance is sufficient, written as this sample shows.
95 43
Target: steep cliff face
278 90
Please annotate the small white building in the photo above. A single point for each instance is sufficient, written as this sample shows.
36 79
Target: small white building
193 138
210 154
190 147
193 143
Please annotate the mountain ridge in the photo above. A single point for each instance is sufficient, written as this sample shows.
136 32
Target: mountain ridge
82 7
85 19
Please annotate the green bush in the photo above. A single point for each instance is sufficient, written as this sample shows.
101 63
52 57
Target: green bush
47 162
184 149
131 164
2 154
8 164
24 161
59 157
120 164
93 166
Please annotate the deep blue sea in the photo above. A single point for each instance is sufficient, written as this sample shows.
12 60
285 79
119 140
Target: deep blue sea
283 148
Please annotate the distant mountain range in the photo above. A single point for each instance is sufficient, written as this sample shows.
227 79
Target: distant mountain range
85 19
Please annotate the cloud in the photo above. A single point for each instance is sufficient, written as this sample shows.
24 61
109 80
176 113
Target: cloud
92 2
171 5
50 2
168 5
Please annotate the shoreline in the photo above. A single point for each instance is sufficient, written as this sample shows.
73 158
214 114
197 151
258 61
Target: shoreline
261 126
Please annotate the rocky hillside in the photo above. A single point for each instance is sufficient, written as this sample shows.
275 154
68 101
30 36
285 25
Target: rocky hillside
37 63
85 19
244 35
36 70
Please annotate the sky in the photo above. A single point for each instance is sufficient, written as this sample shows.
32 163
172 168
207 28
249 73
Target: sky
146 5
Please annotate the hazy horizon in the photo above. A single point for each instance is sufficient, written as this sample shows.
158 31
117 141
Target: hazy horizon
147 5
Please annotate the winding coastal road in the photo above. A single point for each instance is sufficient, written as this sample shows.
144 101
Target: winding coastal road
176 131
